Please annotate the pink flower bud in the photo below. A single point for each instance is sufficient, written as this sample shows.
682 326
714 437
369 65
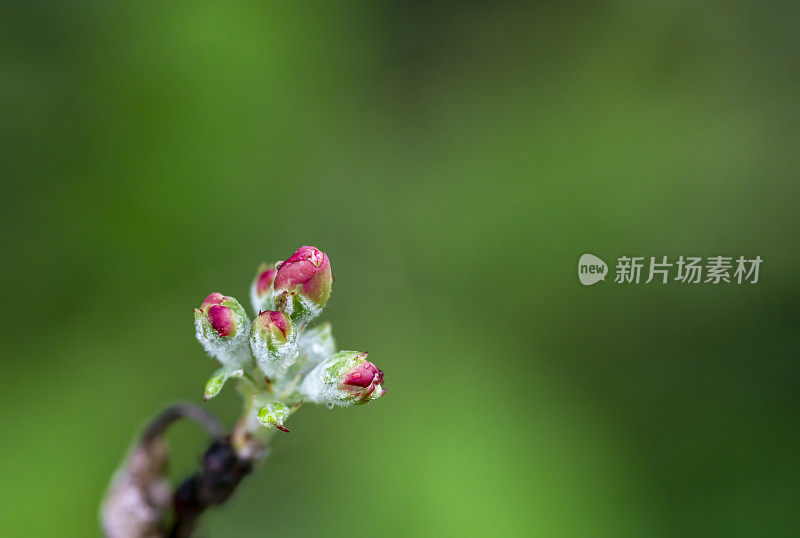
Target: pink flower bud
273 340
261 289
275 323
264 280
309 271
364 375
212 299
345 378
222 320
221 327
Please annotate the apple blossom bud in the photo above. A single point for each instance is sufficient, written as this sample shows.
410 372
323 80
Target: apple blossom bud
316 345
222 320
273 340
344 379
313 346
273 415
261 290
365 375
303 284
221 326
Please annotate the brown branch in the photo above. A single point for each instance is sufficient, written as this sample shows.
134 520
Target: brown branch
139 500
222 470
159 425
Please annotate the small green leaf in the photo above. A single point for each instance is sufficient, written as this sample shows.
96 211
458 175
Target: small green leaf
216 381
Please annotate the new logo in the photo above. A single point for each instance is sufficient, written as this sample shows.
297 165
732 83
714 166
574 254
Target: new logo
591 269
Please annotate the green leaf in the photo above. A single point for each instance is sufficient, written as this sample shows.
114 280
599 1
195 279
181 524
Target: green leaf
216 381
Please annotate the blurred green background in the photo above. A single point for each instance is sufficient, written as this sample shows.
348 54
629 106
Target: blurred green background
454 160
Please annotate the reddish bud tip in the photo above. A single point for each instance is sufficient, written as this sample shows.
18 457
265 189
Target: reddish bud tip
275 322
212 299
222 319
364 375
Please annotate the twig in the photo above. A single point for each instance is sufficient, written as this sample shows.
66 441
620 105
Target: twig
159 425
139 500
222 470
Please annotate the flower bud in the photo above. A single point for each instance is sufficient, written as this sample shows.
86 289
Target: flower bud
303 284
313 346
221 325
344 379
222 320
261 290
273 415
316 345
273 340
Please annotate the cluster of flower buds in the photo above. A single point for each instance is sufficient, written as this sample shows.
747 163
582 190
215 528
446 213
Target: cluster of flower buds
280 362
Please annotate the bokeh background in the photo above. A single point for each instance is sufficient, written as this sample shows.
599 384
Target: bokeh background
454 159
